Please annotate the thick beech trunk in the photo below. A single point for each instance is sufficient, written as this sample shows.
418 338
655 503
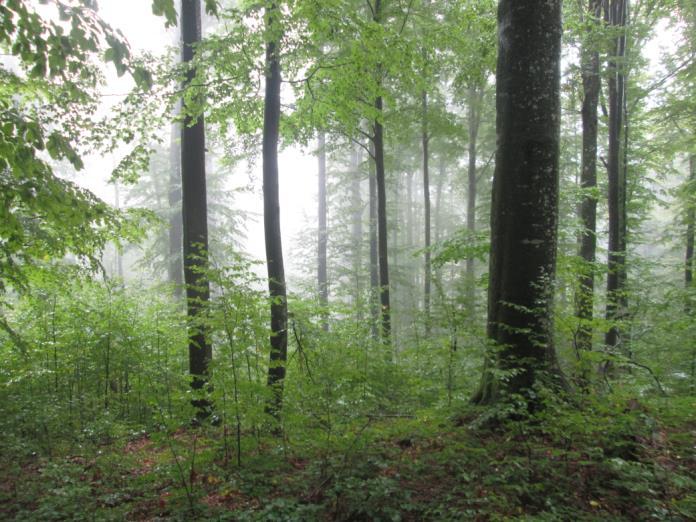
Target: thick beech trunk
322 278
584 300
271 219
195 216
524 214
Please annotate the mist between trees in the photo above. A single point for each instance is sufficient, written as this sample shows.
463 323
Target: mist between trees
494 264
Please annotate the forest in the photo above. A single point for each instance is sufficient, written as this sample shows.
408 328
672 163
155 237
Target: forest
348 260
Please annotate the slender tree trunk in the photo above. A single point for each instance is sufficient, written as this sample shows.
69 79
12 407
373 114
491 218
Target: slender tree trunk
271 217
524 214
175 267
382 241
356 228
322 279
427 275
617 196
690 223
438 200
382 252
475 99
195 217
374 258
584 301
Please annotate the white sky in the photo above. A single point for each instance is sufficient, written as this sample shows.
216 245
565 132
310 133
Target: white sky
145 31
298 186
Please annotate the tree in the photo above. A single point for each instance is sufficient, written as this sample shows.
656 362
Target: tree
322 277
525 202
588 177
615 16
46 101
271 211
175 261
195 211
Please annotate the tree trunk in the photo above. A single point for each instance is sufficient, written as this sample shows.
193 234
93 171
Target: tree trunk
617 195
195 217
425 141
374 258
584 301
382 252
357 227
174 266
524 214
690 222
378 141
271 218
438 200
322 279
475 99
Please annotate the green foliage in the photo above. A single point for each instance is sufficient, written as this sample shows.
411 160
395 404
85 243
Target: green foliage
45 105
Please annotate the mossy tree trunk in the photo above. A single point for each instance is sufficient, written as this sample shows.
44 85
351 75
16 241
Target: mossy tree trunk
524 214
271 215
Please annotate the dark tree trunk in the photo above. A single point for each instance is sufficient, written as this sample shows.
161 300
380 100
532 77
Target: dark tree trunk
378 142
175 267
374 258
382 252
195 216
425 141
616 16
271 219
524 214
475 99
584 301
322 278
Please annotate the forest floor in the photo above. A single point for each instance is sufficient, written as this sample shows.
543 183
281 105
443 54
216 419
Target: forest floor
634 463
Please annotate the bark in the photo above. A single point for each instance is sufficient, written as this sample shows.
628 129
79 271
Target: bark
427 274
271 218
524 214
584 301
195 216
382 241
382 252
616 175
475 99
322 278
